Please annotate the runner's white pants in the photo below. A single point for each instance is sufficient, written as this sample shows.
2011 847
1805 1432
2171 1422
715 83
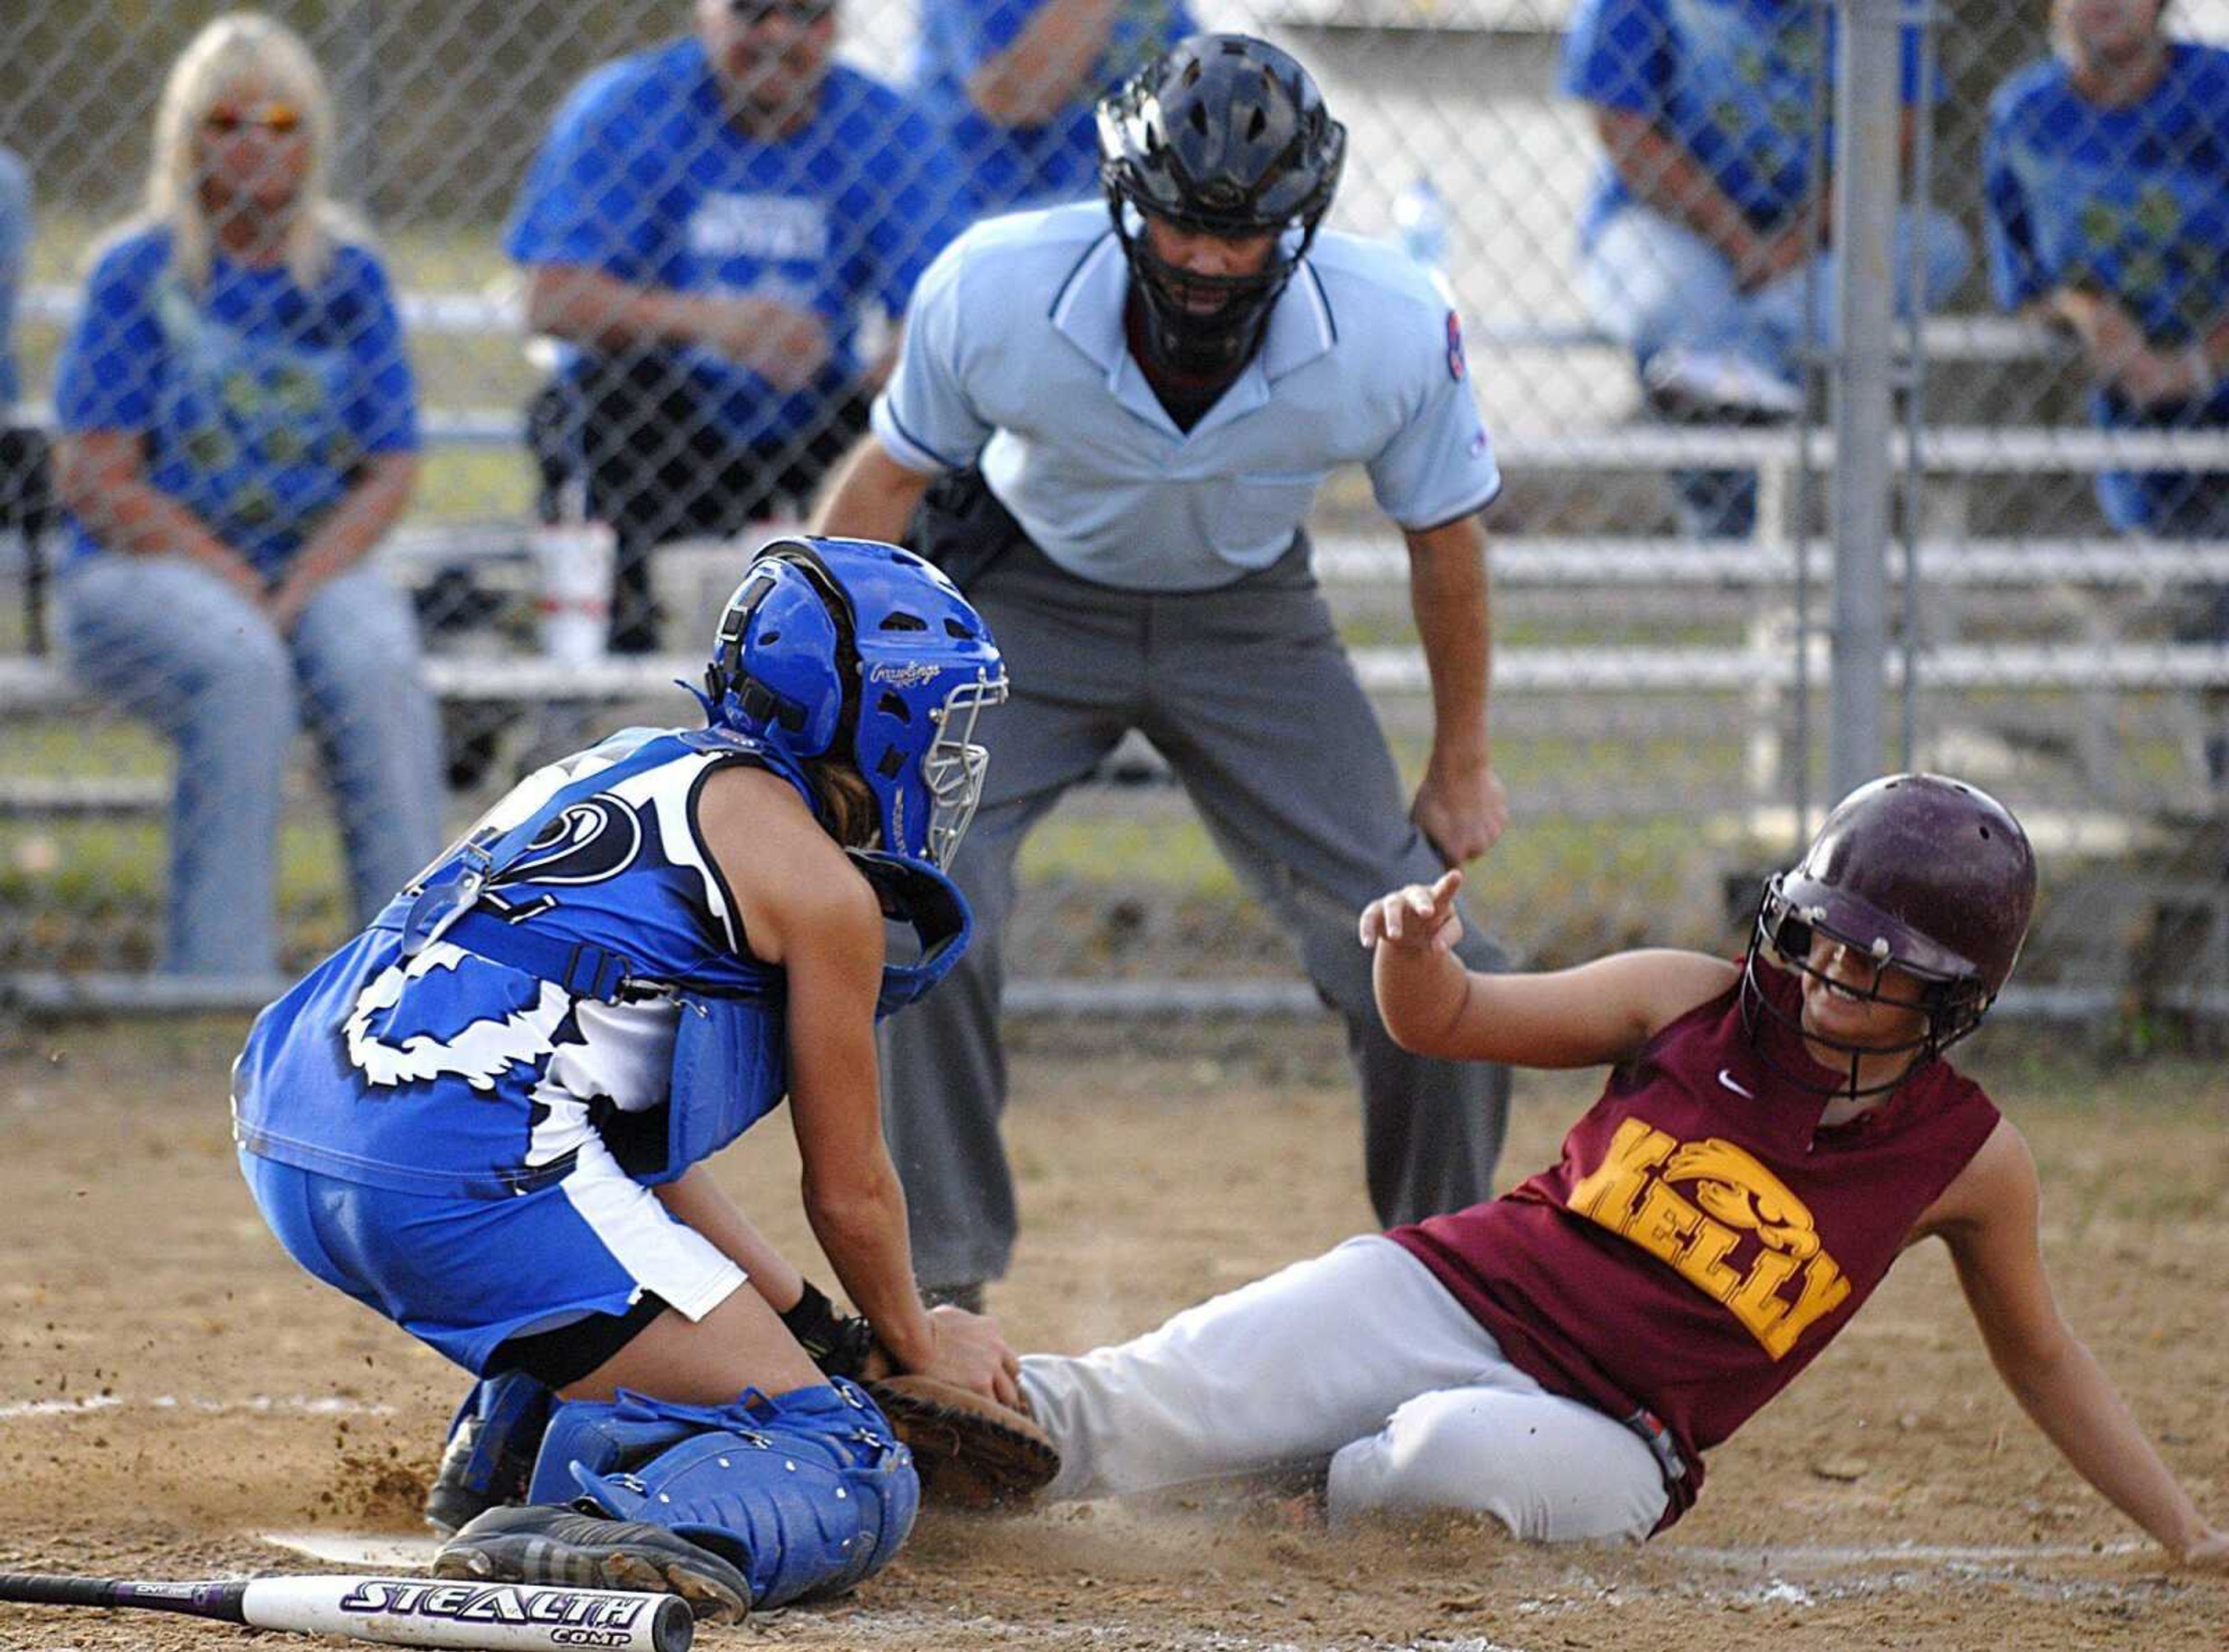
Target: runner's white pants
1360 1356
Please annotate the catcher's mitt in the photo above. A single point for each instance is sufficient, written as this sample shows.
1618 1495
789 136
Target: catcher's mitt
970 1452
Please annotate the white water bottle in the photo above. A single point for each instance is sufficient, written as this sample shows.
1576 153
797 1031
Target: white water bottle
574 556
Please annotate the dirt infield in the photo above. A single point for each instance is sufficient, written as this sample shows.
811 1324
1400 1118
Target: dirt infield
171 1387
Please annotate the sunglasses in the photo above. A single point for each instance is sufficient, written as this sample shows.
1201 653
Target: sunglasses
804 13
274 117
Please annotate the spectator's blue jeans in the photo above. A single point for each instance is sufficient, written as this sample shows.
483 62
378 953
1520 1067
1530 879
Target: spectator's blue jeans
165 638
15 267
1648 280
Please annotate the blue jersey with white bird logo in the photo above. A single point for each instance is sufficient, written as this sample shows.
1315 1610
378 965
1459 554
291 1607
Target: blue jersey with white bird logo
450 1071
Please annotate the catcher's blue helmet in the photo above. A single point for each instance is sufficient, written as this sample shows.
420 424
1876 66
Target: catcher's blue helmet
862 652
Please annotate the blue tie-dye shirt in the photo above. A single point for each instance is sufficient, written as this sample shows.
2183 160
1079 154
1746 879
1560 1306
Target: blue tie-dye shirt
257 401
2131 203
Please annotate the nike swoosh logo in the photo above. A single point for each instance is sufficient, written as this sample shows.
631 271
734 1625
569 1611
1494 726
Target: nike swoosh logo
1727 1079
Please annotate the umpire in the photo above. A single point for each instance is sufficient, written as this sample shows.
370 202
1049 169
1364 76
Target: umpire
1112 433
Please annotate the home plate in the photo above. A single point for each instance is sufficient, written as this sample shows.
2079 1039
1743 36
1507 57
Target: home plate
360 1551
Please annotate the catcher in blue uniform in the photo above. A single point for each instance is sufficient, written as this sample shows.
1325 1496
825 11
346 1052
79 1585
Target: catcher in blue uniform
486 1117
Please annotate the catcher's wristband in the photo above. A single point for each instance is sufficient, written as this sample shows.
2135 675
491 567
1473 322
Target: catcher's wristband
837 1343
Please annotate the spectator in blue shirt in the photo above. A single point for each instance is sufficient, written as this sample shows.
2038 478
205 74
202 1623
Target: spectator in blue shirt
1013 83
1694 247
2107 177
706 224
239 429
14 258
2106 174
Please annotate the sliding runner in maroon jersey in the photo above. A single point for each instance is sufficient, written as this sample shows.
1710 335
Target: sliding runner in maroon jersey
1772 1135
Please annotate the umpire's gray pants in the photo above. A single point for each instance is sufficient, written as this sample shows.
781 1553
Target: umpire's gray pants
1248 693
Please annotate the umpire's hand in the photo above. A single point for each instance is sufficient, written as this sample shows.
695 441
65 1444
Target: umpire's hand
1461 809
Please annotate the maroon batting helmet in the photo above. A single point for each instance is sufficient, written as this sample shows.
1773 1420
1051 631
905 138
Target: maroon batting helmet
1919 872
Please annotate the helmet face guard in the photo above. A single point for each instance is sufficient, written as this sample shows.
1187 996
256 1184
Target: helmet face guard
1222 135
860 653
1917 874
926 789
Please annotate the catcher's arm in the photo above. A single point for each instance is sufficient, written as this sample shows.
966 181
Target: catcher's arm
807 909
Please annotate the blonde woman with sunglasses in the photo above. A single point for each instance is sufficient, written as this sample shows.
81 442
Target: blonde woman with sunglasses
239 429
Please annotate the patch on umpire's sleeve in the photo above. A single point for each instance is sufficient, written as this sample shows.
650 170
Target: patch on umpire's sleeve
1456 366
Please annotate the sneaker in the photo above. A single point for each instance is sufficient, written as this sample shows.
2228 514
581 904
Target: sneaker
1718 386
546 1543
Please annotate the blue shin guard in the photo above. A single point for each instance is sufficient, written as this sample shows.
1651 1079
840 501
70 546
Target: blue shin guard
493 1440
807 1494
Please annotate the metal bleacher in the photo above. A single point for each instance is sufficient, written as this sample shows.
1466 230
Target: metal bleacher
1762 573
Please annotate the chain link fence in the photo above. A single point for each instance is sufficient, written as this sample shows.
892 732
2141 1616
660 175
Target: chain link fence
1631 203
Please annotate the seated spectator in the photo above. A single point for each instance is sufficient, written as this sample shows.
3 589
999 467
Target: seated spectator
2106 174
2107 178
15 263
1014 83
1696 249
239 429
705 224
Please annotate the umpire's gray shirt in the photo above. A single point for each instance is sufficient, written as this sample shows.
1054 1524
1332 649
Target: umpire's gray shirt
1015 356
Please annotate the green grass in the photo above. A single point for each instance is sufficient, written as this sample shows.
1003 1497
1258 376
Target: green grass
474 484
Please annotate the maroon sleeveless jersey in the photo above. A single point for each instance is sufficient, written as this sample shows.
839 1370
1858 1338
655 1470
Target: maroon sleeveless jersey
1703 1237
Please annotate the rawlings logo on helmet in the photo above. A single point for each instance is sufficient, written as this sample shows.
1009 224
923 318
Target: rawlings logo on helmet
905 676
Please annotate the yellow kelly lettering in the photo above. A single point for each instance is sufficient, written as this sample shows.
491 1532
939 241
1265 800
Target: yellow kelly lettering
1704 1262
1606 1193
1663 1221
1823 1287
1754 1302
1630 1192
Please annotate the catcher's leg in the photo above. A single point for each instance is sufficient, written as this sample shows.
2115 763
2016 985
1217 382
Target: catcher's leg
756 1502
1550 1469
1251 1380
